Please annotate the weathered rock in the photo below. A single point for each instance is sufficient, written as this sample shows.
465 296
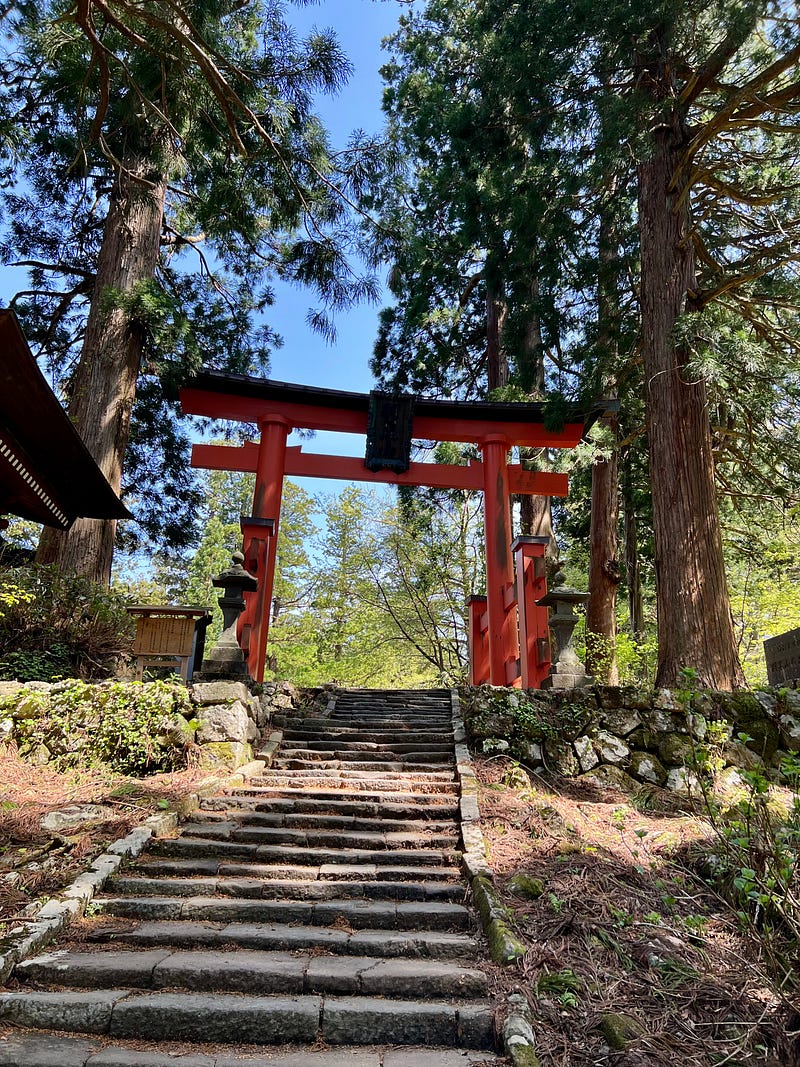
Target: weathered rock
621 721
789 727
666 700
739 755
561 759
526 886
749 716
683 780
584 749
697 724
628 696
31 705
729 784
533 753
677 751
227 753
6 729
647 768
219 692
619 1029
609 776
76 815
179 732
610 748
222 722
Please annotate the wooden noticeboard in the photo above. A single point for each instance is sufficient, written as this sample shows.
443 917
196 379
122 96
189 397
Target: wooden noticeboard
783 658
165 636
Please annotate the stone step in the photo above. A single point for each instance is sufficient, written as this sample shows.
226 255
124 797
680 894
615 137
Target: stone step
335 750
389 768
315 821
227 1018
356 914
410 944
26 1048
395 781
208 847
368 724
168 868
314 784
346 737
312 799
320 838
286 888
302 805
255 972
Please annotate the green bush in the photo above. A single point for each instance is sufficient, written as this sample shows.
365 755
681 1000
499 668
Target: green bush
55 625
134 728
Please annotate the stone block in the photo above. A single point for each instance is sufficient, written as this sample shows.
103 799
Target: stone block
647 768
683 780
584 749
223 722
676 750
219 692
621 721
789 726
609 748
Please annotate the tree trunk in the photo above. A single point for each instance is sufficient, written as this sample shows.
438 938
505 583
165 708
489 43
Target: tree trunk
535 512
601 608
632 567
695 627
104 384
496 362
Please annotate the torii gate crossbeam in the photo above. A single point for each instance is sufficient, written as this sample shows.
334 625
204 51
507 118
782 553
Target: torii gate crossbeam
277 408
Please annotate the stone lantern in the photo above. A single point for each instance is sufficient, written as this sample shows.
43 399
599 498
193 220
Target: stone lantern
226 659
566 671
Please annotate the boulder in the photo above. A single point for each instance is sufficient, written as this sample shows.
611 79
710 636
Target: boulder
584 749
222 722
748 714
621 721
619 1030
608 776
225 753
739 755
561 759
647 768
609 748
683 780
526 886
219 692
789 727
676 750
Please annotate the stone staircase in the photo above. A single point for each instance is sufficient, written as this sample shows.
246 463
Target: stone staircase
318 913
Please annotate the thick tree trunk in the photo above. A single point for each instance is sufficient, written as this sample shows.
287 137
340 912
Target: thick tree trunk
535 512
695 628
104 385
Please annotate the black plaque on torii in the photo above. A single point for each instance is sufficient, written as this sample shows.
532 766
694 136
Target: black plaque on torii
389 428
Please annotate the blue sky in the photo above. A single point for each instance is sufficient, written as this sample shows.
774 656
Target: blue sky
306 358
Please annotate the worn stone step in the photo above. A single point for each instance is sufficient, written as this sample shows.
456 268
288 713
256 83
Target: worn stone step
318 821
27 1048
286 888
320 838
340 748
208 867
427 793
208 847
443 770
248 971
346 737
302 805
264 798
354 780
410 944
357 914
371 759
230 1018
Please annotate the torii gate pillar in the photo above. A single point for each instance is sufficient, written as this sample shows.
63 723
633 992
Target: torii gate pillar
260 551
501 606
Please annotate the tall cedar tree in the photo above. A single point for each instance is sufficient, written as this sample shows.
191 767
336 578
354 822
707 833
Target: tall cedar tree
704 103
145 131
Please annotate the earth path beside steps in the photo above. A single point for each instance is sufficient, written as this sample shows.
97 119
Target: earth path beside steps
318 913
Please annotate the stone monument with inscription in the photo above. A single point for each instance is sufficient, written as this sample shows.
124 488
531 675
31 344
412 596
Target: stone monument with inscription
783 658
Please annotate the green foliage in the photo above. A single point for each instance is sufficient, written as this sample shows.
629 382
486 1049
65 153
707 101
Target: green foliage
125 726
55 625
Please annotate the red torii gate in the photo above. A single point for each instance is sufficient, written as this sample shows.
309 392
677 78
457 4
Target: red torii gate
277 408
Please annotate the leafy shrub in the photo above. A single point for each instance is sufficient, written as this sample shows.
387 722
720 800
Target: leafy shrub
132 727
55 625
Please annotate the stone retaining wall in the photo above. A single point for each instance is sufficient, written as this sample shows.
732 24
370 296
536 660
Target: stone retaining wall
623 736
225 720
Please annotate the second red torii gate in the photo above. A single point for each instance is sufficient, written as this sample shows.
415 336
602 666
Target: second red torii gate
277 408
